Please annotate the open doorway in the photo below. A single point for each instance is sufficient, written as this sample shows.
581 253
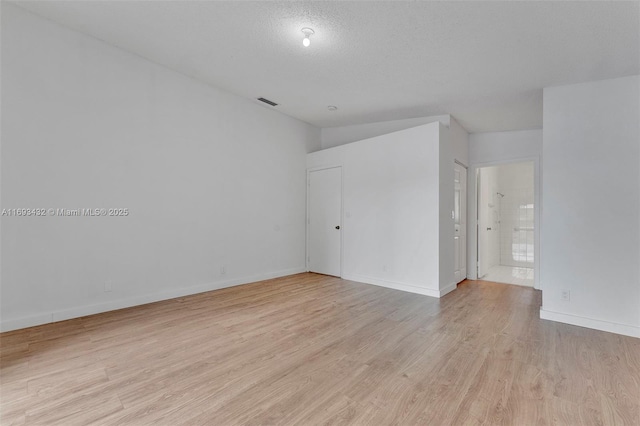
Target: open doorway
506 223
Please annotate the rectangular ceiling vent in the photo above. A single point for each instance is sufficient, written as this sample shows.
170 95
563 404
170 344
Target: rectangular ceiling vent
267 101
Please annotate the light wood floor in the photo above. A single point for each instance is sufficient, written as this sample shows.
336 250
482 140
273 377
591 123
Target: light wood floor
311 349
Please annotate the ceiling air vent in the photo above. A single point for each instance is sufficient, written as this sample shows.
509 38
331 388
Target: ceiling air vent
267 101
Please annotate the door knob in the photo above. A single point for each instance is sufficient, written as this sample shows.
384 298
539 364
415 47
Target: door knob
338 227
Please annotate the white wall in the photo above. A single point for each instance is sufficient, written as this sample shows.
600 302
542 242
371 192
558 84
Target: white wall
591 197
336 136
498 147
391 223
446 208
458 136
459 142
210 179
490 149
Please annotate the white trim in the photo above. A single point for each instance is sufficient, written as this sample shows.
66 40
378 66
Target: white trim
449 288
611 327
24 322
466 231
80 311
394 285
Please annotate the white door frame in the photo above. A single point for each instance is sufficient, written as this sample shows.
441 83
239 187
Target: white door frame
308 215
464 212
472 216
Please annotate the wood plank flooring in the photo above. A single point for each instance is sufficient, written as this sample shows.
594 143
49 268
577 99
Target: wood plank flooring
310 349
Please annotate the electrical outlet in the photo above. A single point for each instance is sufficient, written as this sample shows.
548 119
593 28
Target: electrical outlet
108 286
223 270
565 295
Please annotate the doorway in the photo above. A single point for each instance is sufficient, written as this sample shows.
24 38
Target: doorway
506 222
460 222
324 249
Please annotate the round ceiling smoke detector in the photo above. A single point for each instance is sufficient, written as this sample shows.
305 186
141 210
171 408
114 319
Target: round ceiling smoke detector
308 32
332 108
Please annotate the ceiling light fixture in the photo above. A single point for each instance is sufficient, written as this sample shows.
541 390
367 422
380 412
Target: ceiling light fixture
332 107
308 32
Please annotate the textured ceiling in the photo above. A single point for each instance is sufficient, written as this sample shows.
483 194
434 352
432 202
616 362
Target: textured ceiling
483 62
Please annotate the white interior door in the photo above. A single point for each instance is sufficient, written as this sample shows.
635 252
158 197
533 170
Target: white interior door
324 222
460 222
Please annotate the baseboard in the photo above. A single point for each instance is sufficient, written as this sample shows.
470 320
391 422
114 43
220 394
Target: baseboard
611 327
81 311
25 322
448 289
393 284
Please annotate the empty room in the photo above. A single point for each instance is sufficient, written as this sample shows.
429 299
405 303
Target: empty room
319 212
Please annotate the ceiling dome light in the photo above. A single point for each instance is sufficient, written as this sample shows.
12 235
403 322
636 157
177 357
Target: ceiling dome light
332 108
308 32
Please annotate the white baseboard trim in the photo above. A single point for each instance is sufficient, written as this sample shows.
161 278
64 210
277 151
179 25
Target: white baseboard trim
448 289
611 327
81 311
25 322
393 284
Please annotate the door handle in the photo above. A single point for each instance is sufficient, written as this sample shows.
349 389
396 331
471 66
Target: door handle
338 227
